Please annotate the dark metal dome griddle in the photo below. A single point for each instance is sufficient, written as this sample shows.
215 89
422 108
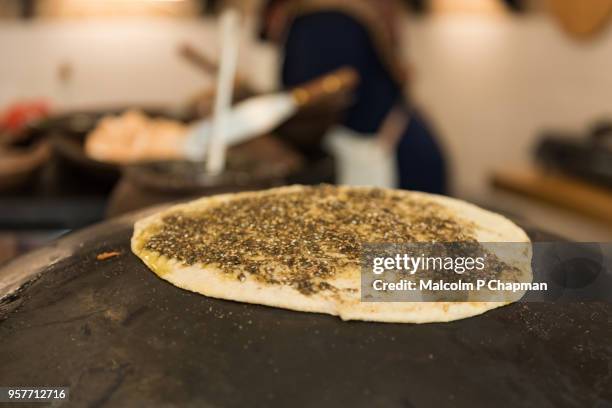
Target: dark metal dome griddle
121 337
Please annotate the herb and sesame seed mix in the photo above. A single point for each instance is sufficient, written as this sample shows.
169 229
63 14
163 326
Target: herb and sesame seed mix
297 247
299 238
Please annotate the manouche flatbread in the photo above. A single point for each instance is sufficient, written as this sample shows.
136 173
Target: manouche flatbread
299 247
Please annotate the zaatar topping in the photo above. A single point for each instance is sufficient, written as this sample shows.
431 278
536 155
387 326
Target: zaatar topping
301 238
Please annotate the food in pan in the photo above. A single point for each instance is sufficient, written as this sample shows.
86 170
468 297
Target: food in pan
133 136
300 247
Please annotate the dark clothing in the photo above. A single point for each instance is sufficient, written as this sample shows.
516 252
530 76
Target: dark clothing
324 41
419 160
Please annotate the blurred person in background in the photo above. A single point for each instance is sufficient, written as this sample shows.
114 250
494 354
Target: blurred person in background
380 140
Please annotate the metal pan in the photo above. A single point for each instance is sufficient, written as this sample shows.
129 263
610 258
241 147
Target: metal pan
119 336
68 132
260 163
20 165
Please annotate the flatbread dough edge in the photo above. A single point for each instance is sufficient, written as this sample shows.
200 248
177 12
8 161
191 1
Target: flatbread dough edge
209 281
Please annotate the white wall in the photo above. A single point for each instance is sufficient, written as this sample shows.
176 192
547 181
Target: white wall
114 62
489 84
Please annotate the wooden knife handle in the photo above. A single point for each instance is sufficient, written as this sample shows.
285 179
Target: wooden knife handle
336 82
199 60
